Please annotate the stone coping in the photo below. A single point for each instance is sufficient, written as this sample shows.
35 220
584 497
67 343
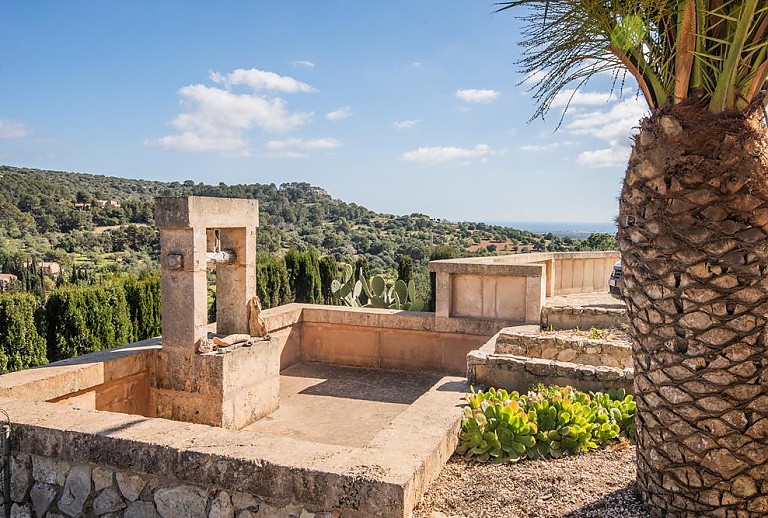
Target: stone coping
383 478
75 374
454 265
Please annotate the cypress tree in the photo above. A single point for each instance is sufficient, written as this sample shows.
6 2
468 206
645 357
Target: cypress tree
272 281
83 319
328 270
143 298
21 346
405 268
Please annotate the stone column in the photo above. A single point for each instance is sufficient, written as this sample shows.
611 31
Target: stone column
184 288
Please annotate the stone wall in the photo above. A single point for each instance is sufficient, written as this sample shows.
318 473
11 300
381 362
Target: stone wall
569 317
565 348
521 372
41 486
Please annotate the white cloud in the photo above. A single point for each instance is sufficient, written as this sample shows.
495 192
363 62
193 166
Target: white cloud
407 124
545 147
579 98
340 114
260 80
303 63
477 96
612 124
299 148
438 155
416 64
614 156
12 129
216 119
304 144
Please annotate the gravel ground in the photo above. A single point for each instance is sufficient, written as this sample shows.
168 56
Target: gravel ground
599 484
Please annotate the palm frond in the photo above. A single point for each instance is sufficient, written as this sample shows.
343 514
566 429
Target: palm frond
710 50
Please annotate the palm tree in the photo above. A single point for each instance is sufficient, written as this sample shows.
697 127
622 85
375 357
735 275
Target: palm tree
693 230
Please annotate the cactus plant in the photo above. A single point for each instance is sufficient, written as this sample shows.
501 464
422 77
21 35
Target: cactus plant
375 290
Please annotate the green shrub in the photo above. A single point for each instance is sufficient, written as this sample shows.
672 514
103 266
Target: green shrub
83 319
500 426
21 346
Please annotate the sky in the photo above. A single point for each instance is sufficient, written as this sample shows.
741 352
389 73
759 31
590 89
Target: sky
401 106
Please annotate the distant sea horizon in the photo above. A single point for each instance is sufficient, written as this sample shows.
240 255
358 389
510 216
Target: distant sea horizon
578 230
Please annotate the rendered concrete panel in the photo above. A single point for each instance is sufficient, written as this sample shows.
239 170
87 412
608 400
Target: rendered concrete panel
510 298
455 350
577 282
588 278
410 350
345 345
467 294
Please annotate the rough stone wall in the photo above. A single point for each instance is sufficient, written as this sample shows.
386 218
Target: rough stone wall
521 372
566 349
45 487
569 317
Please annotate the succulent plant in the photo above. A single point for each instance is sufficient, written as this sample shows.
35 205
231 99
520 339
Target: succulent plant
500 426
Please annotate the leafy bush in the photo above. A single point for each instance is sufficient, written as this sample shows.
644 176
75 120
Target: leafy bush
21 346
500 426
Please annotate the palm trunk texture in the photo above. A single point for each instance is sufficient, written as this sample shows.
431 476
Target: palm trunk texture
693 233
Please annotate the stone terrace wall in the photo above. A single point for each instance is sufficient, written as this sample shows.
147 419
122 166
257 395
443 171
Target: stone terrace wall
566 349
569 317
521 372
41 485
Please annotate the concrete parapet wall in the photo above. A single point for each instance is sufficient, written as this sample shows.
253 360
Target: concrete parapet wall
565 348
514 287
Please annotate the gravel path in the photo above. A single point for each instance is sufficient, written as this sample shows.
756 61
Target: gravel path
598 484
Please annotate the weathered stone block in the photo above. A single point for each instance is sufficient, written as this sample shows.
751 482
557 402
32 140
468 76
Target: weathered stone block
140 509
42 496
102 478
108 501
222 507
178 501
21 477
130 485
76 491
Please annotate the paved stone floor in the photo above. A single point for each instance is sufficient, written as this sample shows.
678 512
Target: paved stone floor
587 300
340 405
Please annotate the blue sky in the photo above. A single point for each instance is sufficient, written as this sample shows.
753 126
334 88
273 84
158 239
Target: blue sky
401 106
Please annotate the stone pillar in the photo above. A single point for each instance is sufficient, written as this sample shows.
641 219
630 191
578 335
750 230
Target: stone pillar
184 288
232 389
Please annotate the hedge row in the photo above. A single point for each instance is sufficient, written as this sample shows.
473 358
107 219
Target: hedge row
77 320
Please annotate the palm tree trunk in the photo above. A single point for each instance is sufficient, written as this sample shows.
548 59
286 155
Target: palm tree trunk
693 233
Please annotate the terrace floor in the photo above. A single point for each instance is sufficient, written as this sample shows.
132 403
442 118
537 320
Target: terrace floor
339 405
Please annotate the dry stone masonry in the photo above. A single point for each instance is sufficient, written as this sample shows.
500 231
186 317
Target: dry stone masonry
50 488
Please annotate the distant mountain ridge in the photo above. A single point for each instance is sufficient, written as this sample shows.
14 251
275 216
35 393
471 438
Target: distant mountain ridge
50 213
